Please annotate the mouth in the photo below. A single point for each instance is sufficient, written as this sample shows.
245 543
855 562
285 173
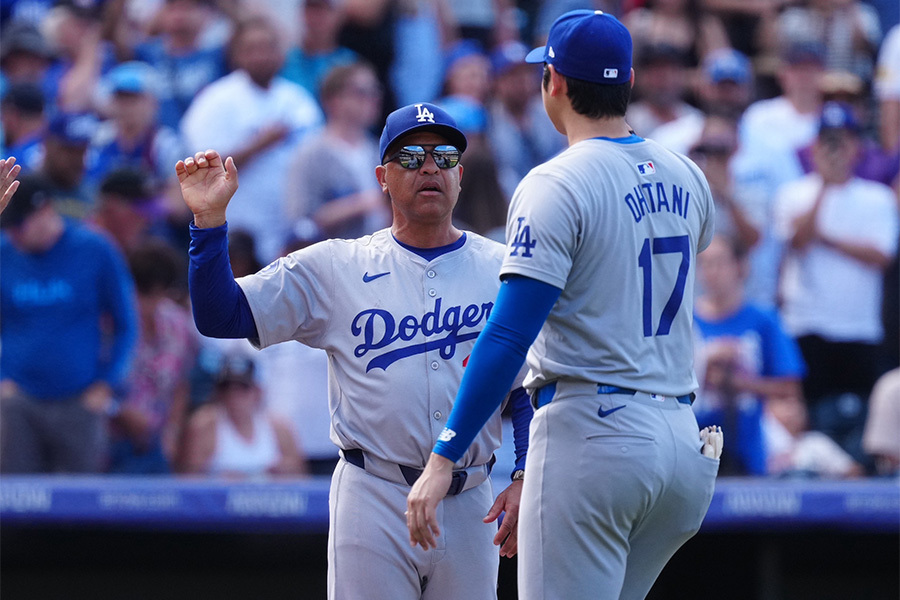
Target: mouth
430 187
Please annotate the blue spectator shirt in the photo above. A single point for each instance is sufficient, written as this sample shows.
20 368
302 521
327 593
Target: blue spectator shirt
764 349
67 316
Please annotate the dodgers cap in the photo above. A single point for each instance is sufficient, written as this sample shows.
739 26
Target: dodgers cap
727 64
35 191
133 77
589 45
73 129
837 115
421 116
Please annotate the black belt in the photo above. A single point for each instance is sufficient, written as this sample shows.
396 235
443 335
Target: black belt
544 395
357 457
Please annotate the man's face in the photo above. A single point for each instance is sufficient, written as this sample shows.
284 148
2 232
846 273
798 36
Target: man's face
133 112
64 163
835 153
259 54
426 195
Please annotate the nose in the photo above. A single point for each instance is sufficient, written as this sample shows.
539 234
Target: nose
429 165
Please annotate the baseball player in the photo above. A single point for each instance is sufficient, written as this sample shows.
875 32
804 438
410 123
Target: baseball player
398 312
599 269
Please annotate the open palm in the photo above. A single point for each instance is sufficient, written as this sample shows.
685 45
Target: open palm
207 185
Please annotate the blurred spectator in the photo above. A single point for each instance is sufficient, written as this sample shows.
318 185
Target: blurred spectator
25 57
841 232
771 131
127 208
797 451
478 20
331 177
725 88
682 24
713 153
660 88
64 155
744 357
887 90
415 73
788 122
520 133
148 423
132 136
873 163
268 118
482 204
881 438
24 121
848 29
467 72
68 330
318 52
234 435
74 30
185 65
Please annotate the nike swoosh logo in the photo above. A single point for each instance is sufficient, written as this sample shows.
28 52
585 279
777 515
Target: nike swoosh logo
606 413
367 278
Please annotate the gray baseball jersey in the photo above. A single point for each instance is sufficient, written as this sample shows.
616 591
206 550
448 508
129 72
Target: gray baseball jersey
617 227
615 472
398 330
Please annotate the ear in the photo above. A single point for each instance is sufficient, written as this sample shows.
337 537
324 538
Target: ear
380 175
557 83
631 78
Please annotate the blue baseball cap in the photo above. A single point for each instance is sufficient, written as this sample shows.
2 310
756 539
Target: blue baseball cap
421 116
837 115
589 45
727 64
73 129
133 77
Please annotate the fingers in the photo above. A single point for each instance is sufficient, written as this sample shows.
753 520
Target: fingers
423 527
508 540
496 510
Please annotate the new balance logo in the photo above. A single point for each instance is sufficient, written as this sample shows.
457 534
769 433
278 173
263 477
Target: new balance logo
367 278
424 115
605 413
446 435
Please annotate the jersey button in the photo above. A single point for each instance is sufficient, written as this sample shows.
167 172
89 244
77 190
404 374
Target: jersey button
431 274
438 415
432 293
434 365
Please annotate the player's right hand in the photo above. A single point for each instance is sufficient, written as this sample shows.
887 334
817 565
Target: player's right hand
207 185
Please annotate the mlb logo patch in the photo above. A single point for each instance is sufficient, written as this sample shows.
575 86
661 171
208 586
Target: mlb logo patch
610 73
646 168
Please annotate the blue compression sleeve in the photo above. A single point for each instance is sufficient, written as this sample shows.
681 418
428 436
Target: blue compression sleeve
520 413
220 308
522 306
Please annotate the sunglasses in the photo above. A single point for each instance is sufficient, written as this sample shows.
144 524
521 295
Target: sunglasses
413 157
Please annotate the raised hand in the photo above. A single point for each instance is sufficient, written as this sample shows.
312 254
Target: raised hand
9 170
207 185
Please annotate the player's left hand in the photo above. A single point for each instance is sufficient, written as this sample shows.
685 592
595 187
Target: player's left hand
8 183
508 533
421 504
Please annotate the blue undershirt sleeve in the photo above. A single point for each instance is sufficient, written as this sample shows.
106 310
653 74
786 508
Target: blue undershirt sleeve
520 413
522 306
220 308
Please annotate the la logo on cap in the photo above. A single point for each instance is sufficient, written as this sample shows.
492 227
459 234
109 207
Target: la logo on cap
424 115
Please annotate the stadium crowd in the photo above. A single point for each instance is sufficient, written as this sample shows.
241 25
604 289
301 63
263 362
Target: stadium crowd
790 108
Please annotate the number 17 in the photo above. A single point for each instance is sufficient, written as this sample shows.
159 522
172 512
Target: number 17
665 245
